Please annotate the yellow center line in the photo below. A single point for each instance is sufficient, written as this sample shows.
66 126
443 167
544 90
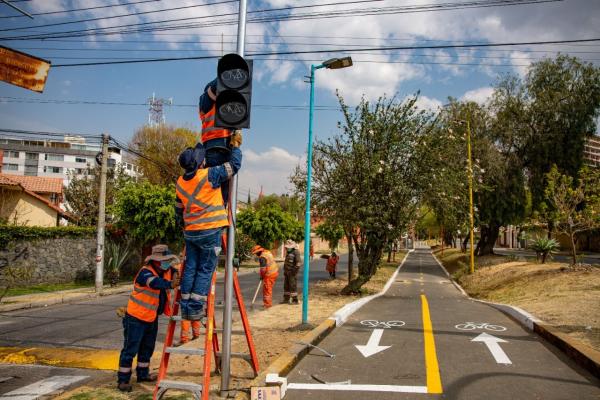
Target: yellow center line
434 382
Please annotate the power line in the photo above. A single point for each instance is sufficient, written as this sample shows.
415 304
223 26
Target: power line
45 133
83 9
340 50
262 19
128 149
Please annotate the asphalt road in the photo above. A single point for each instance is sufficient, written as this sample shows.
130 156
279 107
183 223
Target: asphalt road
416 342
94 324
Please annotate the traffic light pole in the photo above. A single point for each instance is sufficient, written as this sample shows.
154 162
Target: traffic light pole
471 216
233 186
305 273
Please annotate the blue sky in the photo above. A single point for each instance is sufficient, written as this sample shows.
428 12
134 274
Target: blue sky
277 139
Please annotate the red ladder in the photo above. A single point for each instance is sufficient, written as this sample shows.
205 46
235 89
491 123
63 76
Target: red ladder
211 347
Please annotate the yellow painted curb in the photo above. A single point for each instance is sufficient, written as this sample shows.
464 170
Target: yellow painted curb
61 357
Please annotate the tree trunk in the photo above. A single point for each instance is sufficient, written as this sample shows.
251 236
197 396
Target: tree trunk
463 246
368 261
573 244
389 259
489 235
350 257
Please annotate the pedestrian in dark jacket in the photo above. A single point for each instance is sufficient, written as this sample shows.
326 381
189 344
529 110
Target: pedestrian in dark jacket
291 266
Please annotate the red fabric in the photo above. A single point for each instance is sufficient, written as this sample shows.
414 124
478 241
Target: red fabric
268 283
332 264
185 330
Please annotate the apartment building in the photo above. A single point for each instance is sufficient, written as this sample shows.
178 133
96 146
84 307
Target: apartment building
55 158
591 151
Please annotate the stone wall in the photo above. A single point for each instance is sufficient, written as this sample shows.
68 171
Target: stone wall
58 260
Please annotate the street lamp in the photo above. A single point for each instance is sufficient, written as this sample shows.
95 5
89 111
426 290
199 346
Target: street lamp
333 63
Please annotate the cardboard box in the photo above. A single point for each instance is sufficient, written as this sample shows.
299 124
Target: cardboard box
265 393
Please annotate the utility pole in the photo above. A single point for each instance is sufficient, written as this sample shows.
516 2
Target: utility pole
471 217
101 215
233 186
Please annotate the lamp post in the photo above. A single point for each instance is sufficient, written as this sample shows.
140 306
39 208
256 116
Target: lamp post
334 63
471 216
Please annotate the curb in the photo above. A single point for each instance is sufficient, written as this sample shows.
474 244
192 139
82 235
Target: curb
583 355
65 299
292 356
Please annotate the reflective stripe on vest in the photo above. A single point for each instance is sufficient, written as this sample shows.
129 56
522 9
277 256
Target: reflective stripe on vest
144 301
271 267
209 130
202 204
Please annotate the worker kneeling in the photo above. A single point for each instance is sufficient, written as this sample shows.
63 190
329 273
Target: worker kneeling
150 298
200 205
268 273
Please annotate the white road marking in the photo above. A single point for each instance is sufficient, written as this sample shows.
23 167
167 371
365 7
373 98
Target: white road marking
373 323
43 387
492 344
469 326
373 346
358 388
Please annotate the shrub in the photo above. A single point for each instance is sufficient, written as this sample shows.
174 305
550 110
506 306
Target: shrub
545 247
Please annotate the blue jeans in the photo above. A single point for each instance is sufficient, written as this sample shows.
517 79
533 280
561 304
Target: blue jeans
202 250
140 339
215 157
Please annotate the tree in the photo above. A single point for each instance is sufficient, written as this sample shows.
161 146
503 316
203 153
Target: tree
161 145
368 177
147 212
269 224
574 207
330 232
81 195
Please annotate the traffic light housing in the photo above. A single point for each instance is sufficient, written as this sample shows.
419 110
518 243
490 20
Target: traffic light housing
234 92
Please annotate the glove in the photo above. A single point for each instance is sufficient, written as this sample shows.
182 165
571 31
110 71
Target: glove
121 312
236 139
175 282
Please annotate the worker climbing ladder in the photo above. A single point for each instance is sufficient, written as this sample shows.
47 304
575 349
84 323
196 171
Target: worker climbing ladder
211 345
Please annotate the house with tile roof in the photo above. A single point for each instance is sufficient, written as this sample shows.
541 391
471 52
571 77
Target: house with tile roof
21 206
49 188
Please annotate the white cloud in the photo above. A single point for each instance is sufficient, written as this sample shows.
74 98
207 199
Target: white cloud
428 103
269 169
480 95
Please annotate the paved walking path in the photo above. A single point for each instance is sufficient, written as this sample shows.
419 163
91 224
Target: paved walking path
424 339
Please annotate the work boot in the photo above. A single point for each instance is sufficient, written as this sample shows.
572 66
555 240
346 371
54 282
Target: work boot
125 387
286 300
195 336
294 300
147 378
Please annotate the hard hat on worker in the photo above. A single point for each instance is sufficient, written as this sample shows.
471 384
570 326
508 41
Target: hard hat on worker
257 249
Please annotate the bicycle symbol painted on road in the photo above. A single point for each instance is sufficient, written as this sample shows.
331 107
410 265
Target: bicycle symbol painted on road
469 326
373 323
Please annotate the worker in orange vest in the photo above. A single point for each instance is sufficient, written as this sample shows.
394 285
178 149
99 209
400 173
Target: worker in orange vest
149 298
201 210
332 264
268 273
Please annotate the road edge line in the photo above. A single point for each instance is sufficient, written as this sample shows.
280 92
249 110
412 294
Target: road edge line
293 355
583 355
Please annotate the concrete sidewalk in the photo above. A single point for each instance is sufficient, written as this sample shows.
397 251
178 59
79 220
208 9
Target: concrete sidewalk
423 338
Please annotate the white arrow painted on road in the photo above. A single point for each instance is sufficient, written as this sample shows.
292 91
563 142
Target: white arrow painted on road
373 346
492 344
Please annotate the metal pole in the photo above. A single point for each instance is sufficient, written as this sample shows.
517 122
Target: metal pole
101 216
305 273
471 217
233 186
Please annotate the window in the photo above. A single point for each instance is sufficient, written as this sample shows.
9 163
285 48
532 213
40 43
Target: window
53 170
55 157
10 167
31 170
80 171
32 156
11 154
81 159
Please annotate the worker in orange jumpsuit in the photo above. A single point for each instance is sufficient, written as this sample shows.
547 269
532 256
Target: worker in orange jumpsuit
268 273
332 264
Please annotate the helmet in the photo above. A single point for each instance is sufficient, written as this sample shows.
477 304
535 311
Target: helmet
257 249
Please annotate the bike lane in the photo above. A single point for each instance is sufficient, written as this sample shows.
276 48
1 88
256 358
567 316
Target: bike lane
439 344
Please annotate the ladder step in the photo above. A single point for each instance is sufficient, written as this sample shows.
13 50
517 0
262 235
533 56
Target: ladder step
221 306
233 332
180 385
178 318
185 350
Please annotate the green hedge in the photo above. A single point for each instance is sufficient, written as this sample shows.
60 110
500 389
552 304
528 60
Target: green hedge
9 233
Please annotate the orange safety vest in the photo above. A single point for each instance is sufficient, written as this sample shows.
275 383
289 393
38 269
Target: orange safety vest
203 206
271 268
143 300
209 130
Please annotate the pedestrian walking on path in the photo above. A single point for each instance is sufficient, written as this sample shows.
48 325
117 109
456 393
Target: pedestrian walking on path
291 266
332 264
149 298
268 273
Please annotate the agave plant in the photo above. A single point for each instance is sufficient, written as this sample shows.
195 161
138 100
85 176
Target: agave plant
545 247
116 255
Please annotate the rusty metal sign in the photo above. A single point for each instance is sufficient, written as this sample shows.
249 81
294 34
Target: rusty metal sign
23 70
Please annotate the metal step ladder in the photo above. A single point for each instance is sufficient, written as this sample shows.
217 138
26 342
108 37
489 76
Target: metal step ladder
211 345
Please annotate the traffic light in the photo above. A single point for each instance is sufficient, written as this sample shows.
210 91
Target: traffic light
234 92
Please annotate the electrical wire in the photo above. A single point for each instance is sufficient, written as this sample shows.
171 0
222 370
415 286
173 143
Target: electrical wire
82 9
339 50
49 134
128 149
